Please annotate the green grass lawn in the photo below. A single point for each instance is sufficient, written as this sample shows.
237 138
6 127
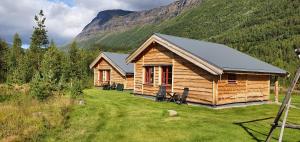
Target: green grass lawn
111 116
295 99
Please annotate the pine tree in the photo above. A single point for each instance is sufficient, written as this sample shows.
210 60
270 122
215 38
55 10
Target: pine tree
24 72
3 60
39 40
52 62
16 58
16 52
74 59
39 88
76 89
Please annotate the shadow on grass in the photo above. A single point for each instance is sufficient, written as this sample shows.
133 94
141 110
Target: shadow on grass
252 131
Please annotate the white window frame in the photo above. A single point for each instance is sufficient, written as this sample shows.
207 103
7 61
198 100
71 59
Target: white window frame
104 78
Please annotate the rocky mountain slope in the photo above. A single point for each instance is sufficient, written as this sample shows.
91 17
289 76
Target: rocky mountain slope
120 20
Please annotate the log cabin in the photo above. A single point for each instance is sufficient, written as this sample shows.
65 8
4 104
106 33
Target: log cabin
111 68
214 73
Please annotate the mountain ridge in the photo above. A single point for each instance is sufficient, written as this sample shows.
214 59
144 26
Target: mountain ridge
121 20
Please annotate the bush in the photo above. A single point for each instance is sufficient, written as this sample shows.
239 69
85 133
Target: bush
39 88
76 89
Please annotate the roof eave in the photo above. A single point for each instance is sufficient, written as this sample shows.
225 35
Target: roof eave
92 65
102 55
283 74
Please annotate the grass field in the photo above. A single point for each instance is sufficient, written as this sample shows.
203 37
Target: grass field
23 118
111 116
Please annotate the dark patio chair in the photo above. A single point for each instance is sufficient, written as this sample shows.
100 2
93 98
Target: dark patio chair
106 87
113 86
183 96
161 94
120 87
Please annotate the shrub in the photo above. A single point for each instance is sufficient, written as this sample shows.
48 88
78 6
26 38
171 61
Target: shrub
39 88
76 89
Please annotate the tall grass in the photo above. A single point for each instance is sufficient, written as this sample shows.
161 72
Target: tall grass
23 118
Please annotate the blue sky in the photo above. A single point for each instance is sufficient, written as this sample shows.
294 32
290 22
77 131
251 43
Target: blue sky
68 2
65 18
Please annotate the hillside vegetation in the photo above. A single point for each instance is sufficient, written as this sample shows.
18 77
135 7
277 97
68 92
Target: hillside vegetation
268 30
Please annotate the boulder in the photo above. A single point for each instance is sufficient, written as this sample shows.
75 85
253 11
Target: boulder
81 102
172 113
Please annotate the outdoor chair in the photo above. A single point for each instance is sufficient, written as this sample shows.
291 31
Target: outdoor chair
120 87
161 94
106 87
113 86
173 97
183 96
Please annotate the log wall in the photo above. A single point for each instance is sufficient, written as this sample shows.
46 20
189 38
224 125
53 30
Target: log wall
196 79
129 82
185 74
115 76
138 73
247 88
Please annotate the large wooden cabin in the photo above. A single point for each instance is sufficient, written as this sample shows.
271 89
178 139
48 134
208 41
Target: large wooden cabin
111 68
215 74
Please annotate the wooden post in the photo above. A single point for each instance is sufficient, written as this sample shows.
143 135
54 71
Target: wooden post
276 89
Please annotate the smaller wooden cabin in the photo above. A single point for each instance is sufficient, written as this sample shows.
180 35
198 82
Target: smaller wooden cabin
111 68
214 73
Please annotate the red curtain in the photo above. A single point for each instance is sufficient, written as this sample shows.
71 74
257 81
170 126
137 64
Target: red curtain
108 75
100 76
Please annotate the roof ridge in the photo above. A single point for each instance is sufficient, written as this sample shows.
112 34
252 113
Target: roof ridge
197 40
115 53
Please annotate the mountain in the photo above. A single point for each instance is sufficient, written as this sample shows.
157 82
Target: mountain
120 20
268 30
101 22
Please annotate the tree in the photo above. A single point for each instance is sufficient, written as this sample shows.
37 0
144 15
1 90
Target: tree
74 59
52 62
16 58
76 89
3 60
16 51
24 72
39 88
39 40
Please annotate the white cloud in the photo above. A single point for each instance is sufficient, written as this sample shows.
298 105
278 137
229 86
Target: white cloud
63 22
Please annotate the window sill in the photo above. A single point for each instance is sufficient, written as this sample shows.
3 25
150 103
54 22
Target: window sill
167 85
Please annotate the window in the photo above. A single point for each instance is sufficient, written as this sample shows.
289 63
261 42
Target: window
99 75
166 75
149 72
104 75
232 79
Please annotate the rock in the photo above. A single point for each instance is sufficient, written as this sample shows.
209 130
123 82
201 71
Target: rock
172 113
37 114
81 102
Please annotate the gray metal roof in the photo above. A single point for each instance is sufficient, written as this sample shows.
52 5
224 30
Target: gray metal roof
119 60
222 56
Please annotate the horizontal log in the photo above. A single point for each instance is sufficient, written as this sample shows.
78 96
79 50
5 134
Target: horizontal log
199 101
292 126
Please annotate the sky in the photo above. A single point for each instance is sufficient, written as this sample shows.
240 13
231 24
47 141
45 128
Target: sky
65 18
